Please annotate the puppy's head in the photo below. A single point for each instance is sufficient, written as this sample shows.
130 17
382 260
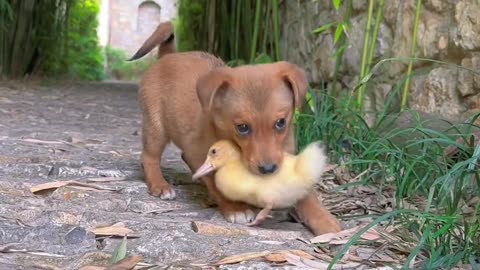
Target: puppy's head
254 106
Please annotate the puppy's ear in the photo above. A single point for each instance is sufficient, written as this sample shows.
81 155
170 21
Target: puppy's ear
213 85
296 79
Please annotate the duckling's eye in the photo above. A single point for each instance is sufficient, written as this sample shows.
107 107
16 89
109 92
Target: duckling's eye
280 124
243 129
213 151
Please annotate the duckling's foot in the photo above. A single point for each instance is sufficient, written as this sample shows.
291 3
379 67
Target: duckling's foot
261 217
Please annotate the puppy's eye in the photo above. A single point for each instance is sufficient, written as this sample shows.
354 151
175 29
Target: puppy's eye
243 129
280 124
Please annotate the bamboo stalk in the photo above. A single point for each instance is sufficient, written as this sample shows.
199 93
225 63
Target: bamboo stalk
258 12
343 41
276 30
412 54
267 26
237 27
361 92
373 47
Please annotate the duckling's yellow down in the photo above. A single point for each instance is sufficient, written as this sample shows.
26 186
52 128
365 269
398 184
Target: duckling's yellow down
294 180
291 183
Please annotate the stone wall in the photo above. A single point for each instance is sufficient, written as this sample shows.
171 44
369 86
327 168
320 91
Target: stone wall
449 30
132 21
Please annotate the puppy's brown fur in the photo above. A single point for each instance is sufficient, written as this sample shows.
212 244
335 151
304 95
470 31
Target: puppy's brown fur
193 99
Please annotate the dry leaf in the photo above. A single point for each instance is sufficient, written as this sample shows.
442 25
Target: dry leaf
311 264
281 255
272 242
207 228
117 229
5 248
330 167
40 141
93 268
10 248
106 179
242 257
58 184
342 237
127 263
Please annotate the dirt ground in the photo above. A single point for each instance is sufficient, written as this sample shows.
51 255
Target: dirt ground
86 131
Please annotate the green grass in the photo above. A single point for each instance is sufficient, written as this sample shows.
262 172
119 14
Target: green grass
119 68
413 156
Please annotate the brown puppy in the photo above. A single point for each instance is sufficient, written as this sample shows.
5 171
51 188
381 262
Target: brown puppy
193 99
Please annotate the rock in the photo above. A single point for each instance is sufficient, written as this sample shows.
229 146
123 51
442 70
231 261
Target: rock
359 5
439 95
465 79
76 236
390 11
417 85
403 25
432 39
353 53
440 5
467 17
324 67
476 67
468 81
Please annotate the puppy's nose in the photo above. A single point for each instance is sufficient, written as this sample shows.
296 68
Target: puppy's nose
267 168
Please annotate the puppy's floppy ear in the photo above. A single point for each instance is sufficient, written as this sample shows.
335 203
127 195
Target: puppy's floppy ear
296 79
213 85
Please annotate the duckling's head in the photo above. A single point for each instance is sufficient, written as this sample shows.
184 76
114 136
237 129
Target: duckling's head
219 154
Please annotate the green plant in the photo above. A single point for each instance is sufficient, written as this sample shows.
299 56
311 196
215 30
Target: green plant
83 58
54 38
190 26
119 68
412 53
226 28
414 157
340 39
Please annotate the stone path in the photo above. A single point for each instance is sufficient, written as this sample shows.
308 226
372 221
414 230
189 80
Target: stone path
77 132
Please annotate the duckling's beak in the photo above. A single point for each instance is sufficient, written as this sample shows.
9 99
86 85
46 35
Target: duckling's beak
206 168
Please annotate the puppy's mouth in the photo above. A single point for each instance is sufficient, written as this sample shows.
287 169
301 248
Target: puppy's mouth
263 170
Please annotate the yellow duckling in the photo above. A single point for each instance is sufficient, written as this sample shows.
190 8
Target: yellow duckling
292 182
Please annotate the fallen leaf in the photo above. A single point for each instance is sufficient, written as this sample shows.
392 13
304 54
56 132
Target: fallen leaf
330 167
281 256
58 184
117 229
242 257
126 264
342 237
89 267
120 251
41 141
154 211
5 248
207 228
76 140
106 179
10 248
272 242
311 264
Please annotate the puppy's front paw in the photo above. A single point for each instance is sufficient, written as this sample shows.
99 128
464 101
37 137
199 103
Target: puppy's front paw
238 213
324 222
165 192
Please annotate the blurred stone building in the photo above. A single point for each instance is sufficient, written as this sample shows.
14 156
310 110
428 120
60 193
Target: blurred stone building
125 24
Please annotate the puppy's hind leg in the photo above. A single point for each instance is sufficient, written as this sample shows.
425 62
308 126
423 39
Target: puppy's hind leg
154 142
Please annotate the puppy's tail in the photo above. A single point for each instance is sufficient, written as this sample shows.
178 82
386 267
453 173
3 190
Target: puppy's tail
163 36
